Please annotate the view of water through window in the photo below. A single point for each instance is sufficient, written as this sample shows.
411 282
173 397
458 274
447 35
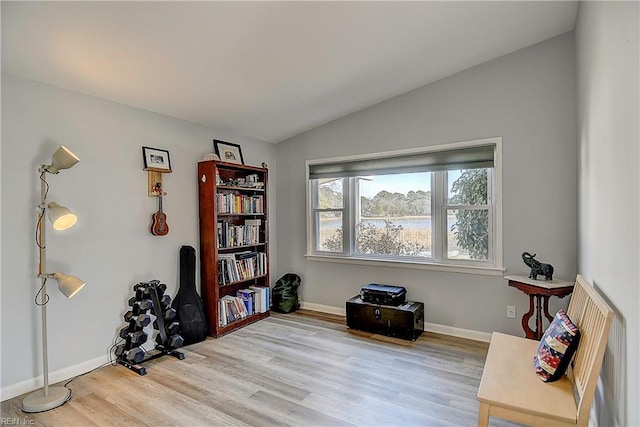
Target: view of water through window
394 214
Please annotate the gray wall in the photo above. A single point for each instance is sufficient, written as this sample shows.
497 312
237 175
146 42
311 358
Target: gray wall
528 98
607 99
110 247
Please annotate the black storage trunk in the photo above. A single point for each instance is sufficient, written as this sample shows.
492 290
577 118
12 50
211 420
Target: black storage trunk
404 321
383 294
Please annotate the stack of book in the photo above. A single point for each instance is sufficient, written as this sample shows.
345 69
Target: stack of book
241 266
231 309
230 235
239 204
246 303
261 298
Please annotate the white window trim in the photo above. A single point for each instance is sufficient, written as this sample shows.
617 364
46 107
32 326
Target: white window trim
414 265
495 240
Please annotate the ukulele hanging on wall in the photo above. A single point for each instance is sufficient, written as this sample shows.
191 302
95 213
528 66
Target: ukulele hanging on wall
159 226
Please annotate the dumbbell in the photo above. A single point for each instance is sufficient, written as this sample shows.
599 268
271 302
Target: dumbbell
169 314
140 321
134 355
135 323
144 303
152 284
124 332
165 302
174 341
161 287
139 307
130 315
141 293
148 284
119 351
172 328
139 337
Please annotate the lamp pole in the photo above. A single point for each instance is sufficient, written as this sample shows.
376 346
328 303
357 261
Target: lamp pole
47 397
51 397
42 268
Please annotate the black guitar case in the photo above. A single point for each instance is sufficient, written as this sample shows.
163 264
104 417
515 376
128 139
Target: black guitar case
187 303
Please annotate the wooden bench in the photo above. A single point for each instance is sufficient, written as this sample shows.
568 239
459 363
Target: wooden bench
510 388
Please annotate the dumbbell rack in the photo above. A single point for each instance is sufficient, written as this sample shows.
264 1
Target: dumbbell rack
149 296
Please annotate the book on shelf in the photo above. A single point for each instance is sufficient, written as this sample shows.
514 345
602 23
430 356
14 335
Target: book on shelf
231 235
222 317
261 298
225 315
245 254
234 267
239 203
220 234
247 296
232 309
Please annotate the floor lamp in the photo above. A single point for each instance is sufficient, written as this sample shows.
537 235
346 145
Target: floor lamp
61 218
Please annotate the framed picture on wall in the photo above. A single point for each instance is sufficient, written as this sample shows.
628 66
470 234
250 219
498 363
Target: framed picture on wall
228 152
156 159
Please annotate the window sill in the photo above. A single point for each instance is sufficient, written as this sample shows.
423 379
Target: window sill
467 269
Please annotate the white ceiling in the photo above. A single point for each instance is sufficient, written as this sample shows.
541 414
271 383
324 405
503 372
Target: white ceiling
266 70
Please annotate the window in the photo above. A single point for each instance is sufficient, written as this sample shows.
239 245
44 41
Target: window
436 207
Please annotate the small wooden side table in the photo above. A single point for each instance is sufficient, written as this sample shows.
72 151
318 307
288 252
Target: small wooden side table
541 291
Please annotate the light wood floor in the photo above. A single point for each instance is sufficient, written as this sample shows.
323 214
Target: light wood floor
301 369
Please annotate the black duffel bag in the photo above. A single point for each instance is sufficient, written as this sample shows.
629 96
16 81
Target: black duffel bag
285 293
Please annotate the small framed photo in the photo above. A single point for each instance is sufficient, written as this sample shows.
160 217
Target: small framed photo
156 159
228 152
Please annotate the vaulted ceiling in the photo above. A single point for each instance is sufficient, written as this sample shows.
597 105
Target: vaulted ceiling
266 70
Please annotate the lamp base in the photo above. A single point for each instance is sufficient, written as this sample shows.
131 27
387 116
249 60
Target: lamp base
38 402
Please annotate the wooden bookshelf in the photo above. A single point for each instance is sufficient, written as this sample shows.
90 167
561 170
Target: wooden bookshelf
234 243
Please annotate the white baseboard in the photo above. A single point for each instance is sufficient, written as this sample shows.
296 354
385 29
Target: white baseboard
32 384
469 334
340 311
430 327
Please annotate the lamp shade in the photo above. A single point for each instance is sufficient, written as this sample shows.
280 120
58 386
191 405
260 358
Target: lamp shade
63 158
69 285
60 217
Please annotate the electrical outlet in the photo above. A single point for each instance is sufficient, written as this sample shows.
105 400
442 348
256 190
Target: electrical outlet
511 311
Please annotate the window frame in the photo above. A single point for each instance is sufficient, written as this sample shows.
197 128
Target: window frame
354 185
444 206
439 205
316 211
